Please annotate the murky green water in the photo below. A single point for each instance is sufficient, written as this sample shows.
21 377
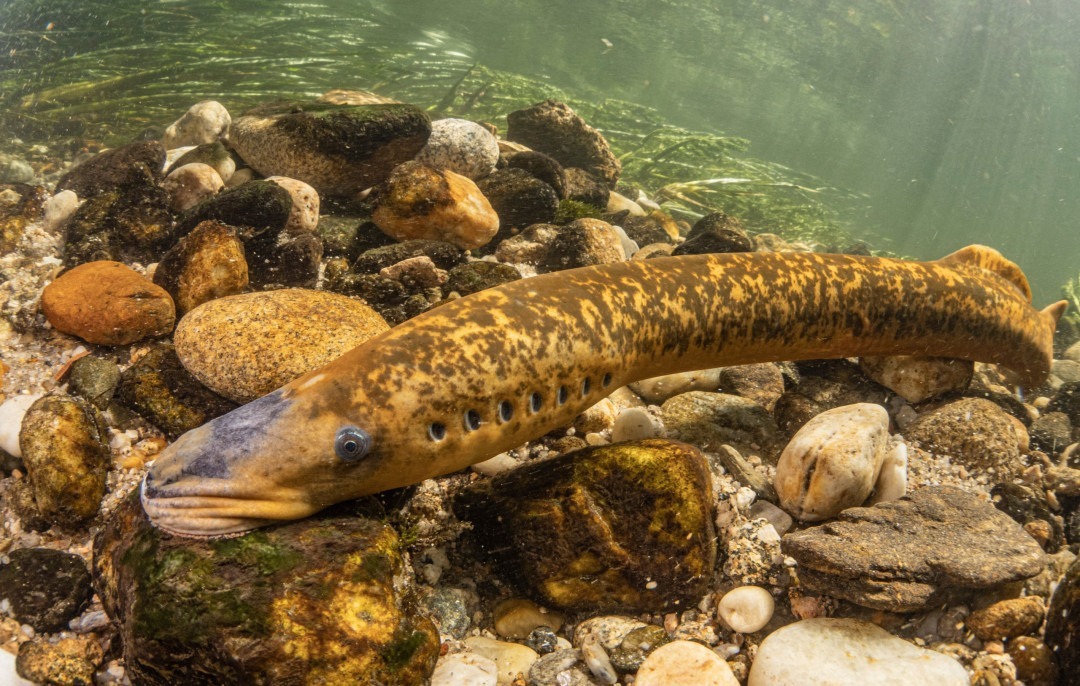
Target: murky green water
926 125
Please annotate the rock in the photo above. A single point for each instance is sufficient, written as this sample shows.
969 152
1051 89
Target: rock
742 471
833 462
608 631
1063 625
972 432
206 264
460 146
746 609
1051 432
716 233
596 659
58 209
65 447
935 545
893 479
1026 506
260 207
543 640
465 669
320 600
560 667
620 203
418 202
1066 370
167 395
512 659
133 224
636 645
825 651
416 273
473 277
20 205
12 412
583 187
449 607
710 420
116 169
444 255
95 379
304 215
660 388
46 588
284 261
762 383
519 617
1067 399
204 122
107 303
1034 661
519 198
1008 618
583 243
1072 352
66 661
245 346
554 129
528 247
542 167
617 526
684 663
656 227
338 150
916 379
15 169
635 424
191 184
213 154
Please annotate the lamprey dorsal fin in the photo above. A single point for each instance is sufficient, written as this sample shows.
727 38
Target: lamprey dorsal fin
991 260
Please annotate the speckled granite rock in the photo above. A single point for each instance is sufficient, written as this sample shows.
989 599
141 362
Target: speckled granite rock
318 601
115 169
65 448
973 432
46 588
936 544
70 661
709 420
245 346
1063 625
462 146
207 263
619 526
107 303
554 129
339 150
1007 618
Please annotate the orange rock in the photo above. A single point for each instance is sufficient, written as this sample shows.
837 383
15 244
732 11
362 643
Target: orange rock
107 303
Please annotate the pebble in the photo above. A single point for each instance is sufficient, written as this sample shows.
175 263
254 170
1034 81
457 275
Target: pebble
780 520
635 424
893 478
597 418
64 661
304 213
498 464
1035 662
59 208
12 412
204 122
716 233
1007 618
746 609
191 184
607 630
473 277
465 669
541 166
418 202
559 668
518 617
94 378
528 247
416 272
107 303
827 651
64 444
582 243
620 203
832 462
245 346
916 379
115 169
598 662
1062 632
660 388
972 432
213 154
449 607
15 169
461 146
1072 352
710 420
8 675
46 588
519 198
684 663
511 659
543 640
206 264
553 128
762 383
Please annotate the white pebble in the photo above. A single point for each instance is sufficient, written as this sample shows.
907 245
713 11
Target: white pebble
8 675
684 663
465 669
304 214
617 203
892 482
204 122
746 609
510 658
495 465
12 412
59 208
190 184
780 520
598 662
660 388
461 146
634 424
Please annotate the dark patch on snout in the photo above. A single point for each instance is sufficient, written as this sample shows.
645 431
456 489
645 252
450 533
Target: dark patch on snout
247 424
208 465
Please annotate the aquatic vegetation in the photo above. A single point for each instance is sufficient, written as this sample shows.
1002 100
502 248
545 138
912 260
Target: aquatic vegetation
1071 292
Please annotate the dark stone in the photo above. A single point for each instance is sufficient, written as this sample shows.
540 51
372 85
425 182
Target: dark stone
543 640
311 601
1025 505
554 129
167 395
636 646
655 227
710 420
543 167
1067 400
115 170
1051 432
473 277
583 243
285 261
257 206
47 588
94 378
349 237
444 255
1063 626
519 198
938 544
388 297
618 527
584 187
337 149
716 233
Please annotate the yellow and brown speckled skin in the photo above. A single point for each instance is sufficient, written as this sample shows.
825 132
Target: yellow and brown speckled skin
603 326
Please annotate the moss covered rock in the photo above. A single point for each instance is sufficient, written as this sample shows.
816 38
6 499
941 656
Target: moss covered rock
620 527
316 601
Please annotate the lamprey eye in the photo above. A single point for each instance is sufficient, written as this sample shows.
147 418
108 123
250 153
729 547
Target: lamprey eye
352 443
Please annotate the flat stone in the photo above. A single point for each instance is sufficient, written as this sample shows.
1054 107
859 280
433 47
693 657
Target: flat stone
684 663
107 303
934 545
825 651
710 420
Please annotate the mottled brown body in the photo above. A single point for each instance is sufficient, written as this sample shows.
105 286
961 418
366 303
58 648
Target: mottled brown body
488 372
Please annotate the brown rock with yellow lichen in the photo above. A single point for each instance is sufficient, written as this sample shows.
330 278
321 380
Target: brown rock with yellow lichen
625 526
311 602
